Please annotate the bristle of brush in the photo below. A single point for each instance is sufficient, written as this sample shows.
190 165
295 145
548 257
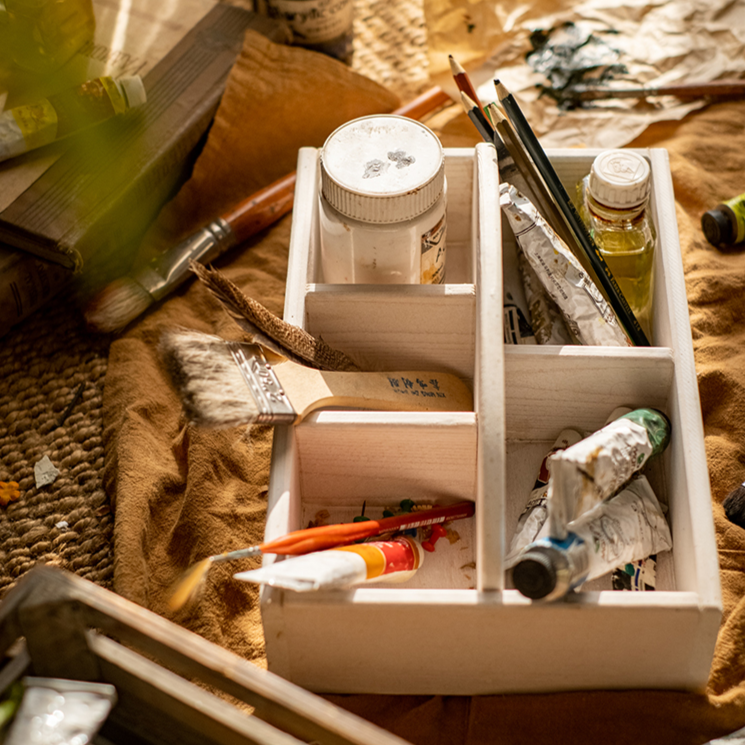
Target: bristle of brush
189 584
734 506
212 389
117 305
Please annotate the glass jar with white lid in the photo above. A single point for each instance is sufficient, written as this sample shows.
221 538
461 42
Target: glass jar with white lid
382 203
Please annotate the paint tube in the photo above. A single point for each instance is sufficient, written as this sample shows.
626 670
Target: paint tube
545 318
586 313
628 527
533 517
395 560
34 125
595 468
636 576
532 523
517 330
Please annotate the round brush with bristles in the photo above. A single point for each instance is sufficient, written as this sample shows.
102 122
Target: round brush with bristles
318 538
126 298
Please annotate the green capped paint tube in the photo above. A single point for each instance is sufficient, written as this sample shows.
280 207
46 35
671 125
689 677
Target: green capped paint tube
596 467
725 224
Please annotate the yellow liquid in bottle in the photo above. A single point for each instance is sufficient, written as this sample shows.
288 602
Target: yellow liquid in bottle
627 244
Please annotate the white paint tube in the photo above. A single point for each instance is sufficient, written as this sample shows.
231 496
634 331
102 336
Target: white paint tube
545 318
586 313
532 523
628 527
595 468
533 517
395 560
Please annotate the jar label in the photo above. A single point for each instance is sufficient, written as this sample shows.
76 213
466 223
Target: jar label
433 254
314 21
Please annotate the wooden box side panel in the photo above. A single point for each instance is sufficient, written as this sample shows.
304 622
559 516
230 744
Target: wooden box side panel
474 647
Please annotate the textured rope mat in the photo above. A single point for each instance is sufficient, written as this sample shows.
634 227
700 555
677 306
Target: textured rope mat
43 364
45 360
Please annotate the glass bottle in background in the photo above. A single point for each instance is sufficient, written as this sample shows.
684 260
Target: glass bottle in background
613 203
321 25
39 36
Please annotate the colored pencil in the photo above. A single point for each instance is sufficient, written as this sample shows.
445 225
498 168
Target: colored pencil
589 250
464 84
529 182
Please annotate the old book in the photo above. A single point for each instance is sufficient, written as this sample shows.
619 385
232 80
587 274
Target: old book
104 190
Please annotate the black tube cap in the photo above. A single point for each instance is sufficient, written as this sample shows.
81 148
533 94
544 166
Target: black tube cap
535 574
717 228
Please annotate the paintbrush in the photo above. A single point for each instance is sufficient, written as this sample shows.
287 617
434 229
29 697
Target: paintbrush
714 89
317 539
126 298
224 384
734 506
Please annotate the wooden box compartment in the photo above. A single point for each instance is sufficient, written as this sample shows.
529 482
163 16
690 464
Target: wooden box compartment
456 627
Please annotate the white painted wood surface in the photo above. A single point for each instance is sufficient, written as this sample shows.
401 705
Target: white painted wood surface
457 630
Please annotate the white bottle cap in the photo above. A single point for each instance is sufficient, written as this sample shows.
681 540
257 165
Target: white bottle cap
133 89
382 169
619 179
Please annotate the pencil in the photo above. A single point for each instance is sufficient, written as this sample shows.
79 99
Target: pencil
529 182
477 116
590 251
460 76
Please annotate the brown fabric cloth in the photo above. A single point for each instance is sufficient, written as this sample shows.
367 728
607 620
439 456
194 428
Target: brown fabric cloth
182 494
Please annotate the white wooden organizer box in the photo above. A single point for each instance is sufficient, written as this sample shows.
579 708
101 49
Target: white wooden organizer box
456 627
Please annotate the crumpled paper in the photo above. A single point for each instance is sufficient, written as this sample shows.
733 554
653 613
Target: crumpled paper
658 42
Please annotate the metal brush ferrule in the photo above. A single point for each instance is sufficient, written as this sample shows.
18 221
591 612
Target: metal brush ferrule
170 269
273 405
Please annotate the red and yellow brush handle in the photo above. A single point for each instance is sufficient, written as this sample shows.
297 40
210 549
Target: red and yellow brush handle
328 536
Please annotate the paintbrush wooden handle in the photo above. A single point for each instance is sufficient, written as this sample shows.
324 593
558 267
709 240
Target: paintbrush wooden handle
328 536
308 389
262 209
715 88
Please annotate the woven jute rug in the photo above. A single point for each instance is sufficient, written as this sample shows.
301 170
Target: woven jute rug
52 372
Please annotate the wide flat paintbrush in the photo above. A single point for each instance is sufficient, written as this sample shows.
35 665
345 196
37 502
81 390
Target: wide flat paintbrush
128 297
317 539
224 384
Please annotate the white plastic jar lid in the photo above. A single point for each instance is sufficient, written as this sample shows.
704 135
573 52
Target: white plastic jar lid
620 179
382 169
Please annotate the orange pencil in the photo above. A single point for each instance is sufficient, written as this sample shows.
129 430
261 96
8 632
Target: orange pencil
460 76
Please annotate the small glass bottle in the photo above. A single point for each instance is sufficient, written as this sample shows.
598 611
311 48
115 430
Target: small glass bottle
41 35
382 203
321 25
613 203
